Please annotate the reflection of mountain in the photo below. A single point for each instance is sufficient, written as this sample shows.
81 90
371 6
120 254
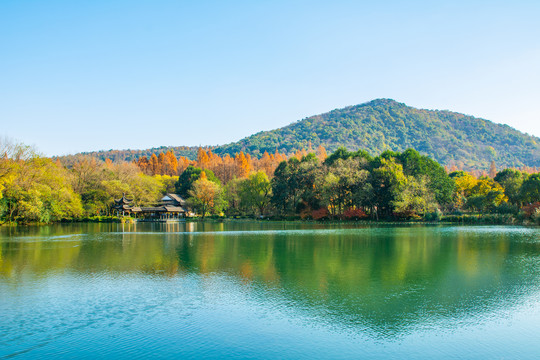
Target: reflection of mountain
386 279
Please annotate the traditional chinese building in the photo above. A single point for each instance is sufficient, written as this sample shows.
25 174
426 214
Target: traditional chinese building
123 205
171 207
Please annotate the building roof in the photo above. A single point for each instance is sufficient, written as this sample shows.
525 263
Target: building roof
121 206
123 200
175 204
171 208
174 197
157 209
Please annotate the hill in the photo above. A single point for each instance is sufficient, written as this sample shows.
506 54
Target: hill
384 124
129 155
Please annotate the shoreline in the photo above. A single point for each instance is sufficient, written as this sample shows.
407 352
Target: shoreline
472 220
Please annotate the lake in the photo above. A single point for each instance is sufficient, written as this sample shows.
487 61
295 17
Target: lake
269 290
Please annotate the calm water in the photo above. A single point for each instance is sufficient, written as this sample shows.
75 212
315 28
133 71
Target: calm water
269 290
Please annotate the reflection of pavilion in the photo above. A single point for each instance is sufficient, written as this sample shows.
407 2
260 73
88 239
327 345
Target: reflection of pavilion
172 207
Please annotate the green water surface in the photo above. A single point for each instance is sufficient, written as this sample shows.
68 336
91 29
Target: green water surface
269 290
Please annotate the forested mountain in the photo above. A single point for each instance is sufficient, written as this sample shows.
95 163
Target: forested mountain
448 137
383 124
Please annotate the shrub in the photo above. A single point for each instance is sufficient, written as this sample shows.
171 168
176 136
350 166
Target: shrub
434 215
497 219
354 214
506 208
536 216
320 214
306 213
407 215
530 210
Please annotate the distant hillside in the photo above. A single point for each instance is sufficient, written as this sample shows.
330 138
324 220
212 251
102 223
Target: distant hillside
128 155
384 124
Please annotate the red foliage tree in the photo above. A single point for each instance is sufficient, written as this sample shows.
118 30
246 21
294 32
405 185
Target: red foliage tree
320 214
354 214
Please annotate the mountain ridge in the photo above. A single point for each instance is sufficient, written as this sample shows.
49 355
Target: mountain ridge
385 124
449 137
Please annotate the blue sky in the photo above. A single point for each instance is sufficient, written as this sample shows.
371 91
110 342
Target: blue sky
90 75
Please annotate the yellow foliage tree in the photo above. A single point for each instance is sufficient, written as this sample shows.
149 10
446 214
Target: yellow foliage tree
205 195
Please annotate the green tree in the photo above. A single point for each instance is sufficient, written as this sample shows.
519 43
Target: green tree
388 180
231 194
189 176
417 165
511 180
344 184
486 195
255 191
530 190
39 191
341 153
416 199
286 188
329 190
463 187
168 183
306 176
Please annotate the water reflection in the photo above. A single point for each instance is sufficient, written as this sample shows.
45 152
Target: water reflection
386 279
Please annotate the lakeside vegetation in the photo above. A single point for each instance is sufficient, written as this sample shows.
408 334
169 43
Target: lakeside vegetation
346 185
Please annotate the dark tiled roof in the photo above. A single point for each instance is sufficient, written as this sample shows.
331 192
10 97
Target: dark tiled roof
171 208
153 209
121 206
123 200
177 198
177 206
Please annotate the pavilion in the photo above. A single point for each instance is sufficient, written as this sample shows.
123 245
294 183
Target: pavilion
171 207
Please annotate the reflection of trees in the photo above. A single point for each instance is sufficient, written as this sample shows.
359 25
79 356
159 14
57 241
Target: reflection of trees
382 278
93 248
386 279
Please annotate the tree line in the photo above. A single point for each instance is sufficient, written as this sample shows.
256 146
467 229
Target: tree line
354 185
308 184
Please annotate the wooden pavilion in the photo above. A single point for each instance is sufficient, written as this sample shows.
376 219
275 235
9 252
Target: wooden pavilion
171 207
123 205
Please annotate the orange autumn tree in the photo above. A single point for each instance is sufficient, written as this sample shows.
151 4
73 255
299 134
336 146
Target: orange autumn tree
265 163
299 154
143 164
169 165
321 153
243 166
183 163
154 165
225 167
202 159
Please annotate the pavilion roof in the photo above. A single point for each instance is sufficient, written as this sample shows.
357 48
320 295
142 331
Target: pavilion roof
123 200
176 198
157 209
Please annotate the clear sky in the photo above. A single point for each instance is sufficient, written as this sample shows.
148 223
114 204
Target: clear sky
101 74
